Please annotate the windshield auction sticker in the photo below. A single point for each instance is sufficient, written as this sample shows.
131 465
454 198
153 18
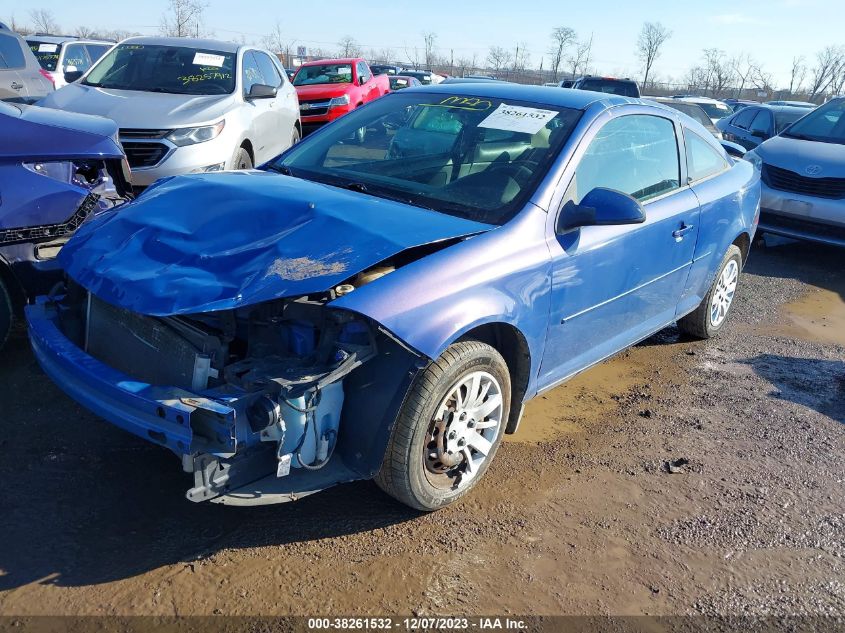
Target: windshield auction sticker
518 119
48 48
207 59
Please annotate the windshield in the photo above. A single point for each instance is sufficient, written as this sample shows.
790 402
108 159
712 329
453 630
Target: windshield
715 110
474 157
47 54
324 74
786 118
825 124
174 69
611 86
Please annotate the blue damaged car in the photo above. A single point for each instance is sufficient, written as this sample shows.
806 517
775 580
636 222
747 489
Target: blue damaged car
384 309
56 170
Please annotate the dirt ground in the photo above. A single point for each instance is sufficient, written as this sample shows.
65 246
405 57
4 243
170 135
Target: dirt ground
681 477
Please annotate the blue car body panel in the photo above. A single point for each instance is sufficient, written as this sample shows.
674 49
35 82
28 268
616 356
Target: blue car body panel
224 241
289 237
36 209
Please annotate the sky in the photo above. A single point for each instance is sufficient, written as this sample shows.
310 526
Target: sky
772 31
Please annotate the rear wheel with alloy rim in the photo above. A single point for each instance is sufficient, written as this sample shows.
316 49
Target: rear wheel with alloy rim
449 427
710 316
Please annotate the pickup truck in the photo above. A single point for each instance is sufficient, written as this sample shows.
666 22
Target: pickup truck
329 88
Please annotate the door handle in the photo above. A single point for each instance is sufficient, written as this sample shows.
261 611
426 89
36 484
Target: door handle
678 234
16 85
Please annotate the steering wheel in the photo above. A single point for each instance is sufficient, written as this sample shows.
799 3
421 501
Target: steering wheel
520 173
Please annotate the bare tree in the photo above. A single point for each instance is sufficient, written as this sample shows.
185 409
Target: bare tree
562 38
348 47
44 21
521 58
652 36
829 62
797 75
720 72
429 40
279 44
498 58
579 60
745 70
183 19
17 27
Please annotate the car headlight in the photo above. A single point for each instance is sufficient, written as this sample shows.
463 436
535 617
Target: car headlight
754 158
339 101
192 135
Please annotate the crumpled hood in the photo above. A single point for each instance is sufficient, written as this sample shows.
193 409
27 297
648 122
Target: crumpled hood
798 154
218 241
134 109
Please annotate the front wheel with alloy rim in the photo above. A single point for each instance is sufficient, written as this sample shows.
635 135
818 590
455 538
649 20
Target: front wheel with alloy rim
448 428
710 316
242 159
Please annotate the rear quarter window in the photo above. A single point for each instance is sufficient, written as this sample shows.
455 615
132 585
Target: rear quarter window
703 160
11 53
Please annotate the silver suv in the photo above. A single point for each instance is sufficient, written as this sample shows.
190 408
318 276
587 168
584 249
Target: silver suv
188 105
21 78
66 58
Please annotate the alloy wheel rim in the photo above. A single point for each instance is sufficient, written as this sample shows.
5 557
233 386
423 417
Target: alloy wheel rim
463 431
724 294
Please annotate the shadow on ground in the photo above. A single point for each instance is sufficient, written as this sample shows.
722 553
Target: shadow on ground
815 264
815 383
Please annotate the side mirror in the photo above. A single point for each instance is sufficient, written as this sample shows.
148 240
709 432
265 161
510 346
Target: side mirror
737 151
262 91
362 80
600 207
72 75
760 134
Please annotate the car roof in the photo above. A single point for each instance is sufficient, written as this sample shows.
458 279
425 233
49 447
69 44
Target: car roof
187 42
61 39
564 98
778 108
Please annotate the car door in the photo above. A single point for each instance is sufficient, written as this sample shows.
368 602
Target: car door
761 128
283 109
739 128
365 78
263 116
614 285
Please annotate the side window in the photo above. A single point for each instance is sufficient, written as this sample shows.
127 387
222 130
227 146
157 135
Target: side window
76 56
11 53
762 122
363 72
744 118
635 154
268 69
702 158
250 73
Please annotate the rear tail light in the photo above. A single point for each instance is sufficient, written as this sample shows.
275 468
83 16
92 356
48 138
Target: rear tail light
47 76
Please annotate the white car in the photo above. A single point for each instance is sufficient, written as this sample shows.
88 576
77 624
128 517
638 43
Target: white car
61 55
188 105
714 108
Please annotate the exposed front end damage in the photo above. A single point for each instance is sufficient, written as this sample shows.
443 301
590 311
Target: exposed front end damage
263 403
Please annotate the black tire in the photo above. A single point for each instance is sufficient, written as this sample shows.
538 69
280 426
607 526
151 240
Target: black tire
242 159
7 315
699 323
405 473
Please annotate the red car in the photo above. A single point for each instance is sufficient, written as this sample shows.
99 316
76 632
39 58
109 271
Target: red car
329 88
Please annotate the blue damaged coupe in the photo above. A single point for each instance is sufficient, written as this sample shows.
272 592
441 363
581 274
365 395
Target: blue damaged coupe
383 308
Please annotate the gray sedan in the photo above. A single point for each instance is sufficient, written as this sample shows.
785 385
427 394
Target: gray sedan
803 172
188 105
